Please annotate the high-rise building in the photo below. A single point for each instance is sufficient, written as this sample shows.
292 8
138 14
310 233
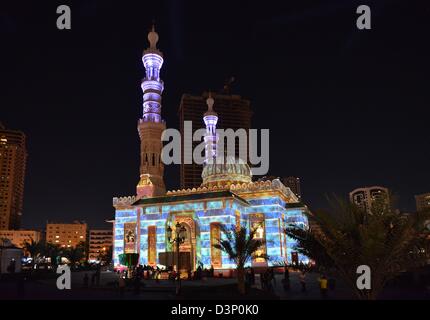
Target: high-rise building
233 112
99 243
367 196
294 184
66 235
422 201
13 156
19 237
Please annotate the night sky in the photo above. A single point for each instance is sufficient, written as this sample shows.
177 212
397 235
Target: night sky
346 108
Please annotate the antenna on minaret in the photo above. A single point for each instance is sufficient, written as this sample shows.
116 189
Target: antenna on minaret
153 37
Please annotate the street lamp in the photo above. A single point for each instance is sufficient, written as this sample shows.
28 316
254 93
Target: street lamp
180 236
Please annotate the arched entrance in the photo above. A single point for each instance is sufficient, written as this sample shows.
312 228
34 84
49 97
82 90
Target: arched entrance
190 244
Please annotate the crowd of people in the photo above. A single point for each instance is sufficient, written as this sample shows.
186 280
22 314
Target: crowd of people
95 277
324 283
267 278
147 272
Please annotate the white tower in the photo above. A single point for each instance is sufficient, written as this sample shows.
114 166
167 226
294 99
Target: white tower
211 138
151 126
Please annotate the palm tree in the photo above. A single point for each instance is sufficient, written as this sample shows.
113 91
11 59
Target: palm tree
53 251
33 248
240 246
347 236
308 245
75 254
106 255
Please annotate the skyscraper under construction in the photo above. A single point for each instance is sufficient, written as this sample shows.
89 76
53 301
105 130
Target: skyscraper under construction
234 113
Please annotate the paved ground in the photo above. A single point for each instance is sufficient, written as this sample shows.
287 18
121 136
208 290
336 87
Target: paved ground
217 288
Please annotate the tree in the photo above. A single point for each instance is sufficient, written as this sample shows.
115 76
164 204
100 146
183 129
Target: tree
75 254
53 251
129 260
33 248
346 236
241 246
308 245
106 255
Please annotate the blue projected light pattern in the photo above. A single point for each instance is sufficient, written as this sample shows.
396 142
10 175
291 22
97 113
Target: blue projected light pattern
273 209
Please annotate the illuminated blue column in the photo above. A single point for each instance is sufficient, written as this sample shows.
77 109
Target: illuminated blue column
121 216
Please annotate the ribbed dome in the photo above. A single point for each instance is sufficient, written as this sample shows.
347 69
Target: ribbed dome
226 171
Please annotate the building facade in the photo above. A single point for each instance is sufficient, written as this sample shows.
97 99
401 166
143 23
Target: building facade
294 184
234 112
99 243
367 196
422 201
66 235
225 197
19 237
13 156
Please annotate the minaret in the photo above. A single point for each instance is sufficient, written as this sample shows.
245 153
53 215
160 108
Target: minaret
151 126
211 138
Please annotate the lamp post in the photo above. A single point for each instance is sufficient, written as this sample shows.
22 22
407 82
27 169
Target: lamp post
180 235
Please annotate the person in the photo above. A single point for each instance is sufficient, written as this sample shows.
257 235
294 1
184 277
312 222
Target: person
331 283
160 272
93 279
286 280
302 278
263 280
86 279
323 286
136 284
286 273
268 280
12 266
97 275
121 286
301 266
212 271
199 272
173 275
272 276
248 279
252 276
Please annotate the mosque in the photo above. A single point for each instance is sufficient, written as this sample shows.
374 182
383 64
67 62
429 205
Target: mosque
227 196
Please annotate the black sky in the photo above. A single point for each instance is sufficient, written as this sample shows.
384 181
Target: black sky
346 108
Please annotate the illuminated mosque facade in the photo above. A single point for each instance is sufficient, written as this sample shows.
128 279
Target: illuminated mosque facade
227 196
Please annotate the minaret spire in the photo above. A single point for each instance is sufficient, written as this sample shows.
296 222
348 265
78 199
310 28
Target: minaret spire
151 125
210 119
152 85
